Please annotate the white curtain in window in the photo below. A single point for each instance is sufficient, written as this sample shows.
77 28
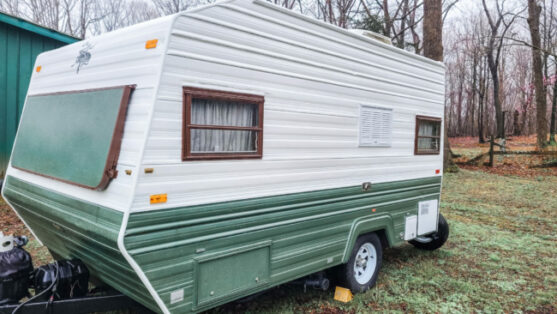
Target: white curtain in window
428 129
223 113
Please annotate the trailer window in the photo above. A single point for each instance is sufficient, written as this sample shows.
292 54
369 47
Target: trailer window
428 136
73 136
221 125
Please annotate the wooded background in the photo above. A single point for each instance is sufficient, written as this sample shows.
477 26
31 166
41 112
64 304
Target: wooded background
500 55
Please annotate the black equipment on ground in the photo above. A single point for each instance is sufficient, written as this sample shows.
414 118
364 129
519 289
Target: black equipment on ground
15 267
71 279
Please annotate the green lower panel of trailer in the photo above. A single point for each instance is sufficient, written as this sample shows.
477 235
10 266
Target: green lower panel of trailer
75 229
197 257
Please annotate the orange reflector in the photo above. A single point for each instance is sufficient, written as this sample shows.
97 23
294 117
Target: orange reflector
39 68
150 44
374 210
158 198
437 171
343 294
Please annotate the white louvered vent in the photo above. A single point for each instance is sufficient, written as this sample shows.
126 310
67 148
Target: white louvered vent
375 126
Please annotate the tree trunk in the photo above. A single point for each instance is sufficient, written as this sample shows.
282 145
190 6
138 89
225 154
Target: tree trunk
493 69
482 92
534 11
433 49
516 123
387 17
433 30
553 127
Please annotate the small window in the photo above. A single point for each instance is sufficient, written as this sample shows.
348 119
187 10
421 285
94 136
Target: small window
222 125
375 126
428 136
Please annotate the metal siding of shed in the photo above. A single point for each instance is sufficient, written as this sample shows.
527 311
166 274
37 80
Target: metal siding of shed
3 94
18 50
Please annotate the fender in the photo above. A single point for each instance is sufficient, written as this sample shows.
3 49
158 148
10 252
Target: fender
364 225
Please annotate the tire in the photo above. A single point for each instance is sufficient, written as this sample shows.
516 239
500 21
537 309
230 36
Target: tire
361 271
435 240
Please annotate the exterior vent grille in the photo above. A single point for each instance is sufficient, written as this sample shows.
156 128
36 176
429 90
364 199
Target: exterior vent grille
375 126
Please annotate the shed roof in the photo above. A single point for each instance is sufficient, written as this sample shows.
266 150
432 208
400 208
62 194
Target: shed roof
35 28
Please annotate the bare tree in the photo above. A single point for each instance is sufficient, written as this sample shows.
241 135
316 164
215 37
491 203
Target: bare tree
113 13
336 12
67 7
499 25
11 7
433 49
289 4
138 11
44 12
166 7
534 11
553 126
433 30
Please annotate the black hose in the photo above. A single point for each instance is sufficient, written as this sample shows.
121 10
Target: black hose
36 296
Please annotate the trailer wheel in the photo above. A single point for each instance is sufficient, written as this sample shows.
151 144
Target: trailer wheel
360 272
435 240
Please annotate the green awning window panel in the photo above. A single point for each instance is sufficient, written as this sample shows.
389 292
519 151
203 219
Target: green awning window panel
73 137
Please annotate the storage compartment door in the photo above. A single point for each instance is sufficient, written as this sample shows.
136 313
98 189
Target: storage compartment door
428 212
410 227
223 276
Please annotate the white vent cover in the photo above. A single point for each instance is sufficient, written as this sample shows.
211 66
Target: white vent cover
375 126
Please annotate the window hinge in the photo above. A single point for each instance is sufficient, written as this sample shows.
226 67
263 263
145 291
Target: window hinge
112 173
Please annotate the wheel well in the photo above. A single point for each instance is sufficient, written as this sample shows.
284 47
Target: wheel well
383 237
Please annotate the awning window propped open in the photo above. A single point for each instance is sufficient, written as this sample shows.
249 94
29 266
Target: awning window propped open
73 137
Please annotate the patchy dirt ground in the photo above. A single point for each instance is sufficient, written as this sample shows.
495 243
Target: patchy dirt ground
525 165
11 224
500 258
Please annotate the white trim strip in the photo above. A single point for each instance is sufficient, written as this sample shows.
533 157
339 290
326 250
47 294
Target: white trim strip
125 218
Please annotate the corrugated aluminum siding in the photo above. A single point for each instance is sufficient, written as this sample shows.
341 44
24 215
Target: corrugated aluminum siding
18 50
314 78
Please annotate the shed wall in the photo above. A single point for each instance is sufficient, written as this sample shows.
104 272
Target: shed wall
18 50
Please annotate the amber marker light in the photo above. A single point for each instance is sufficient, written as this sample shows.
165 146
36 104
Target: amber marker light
158 198
150 44
374 210
39 68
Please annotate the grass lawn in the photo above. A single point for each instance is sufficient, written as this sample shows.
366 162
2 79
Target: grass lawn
501 256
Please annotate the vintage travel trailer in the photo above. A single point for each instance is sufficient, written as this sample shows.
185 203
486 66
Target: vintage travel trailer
202 157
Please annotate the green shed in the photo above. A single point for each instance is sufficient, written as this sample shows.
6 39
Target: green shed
20 43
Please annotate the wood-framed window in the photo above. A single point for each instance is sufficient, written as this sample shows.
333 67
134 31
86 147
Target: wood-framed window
428 136
221 125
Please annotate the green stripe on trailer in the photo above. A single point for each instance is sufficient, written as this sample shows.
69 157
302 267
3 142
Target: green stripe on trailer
291 235
76 229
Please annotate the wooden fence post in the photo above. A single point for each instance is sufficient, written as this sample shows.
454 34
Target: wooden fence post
491 148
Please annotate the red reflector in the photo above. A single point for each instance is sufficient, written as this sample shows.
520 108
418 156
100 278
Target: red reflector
437 171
